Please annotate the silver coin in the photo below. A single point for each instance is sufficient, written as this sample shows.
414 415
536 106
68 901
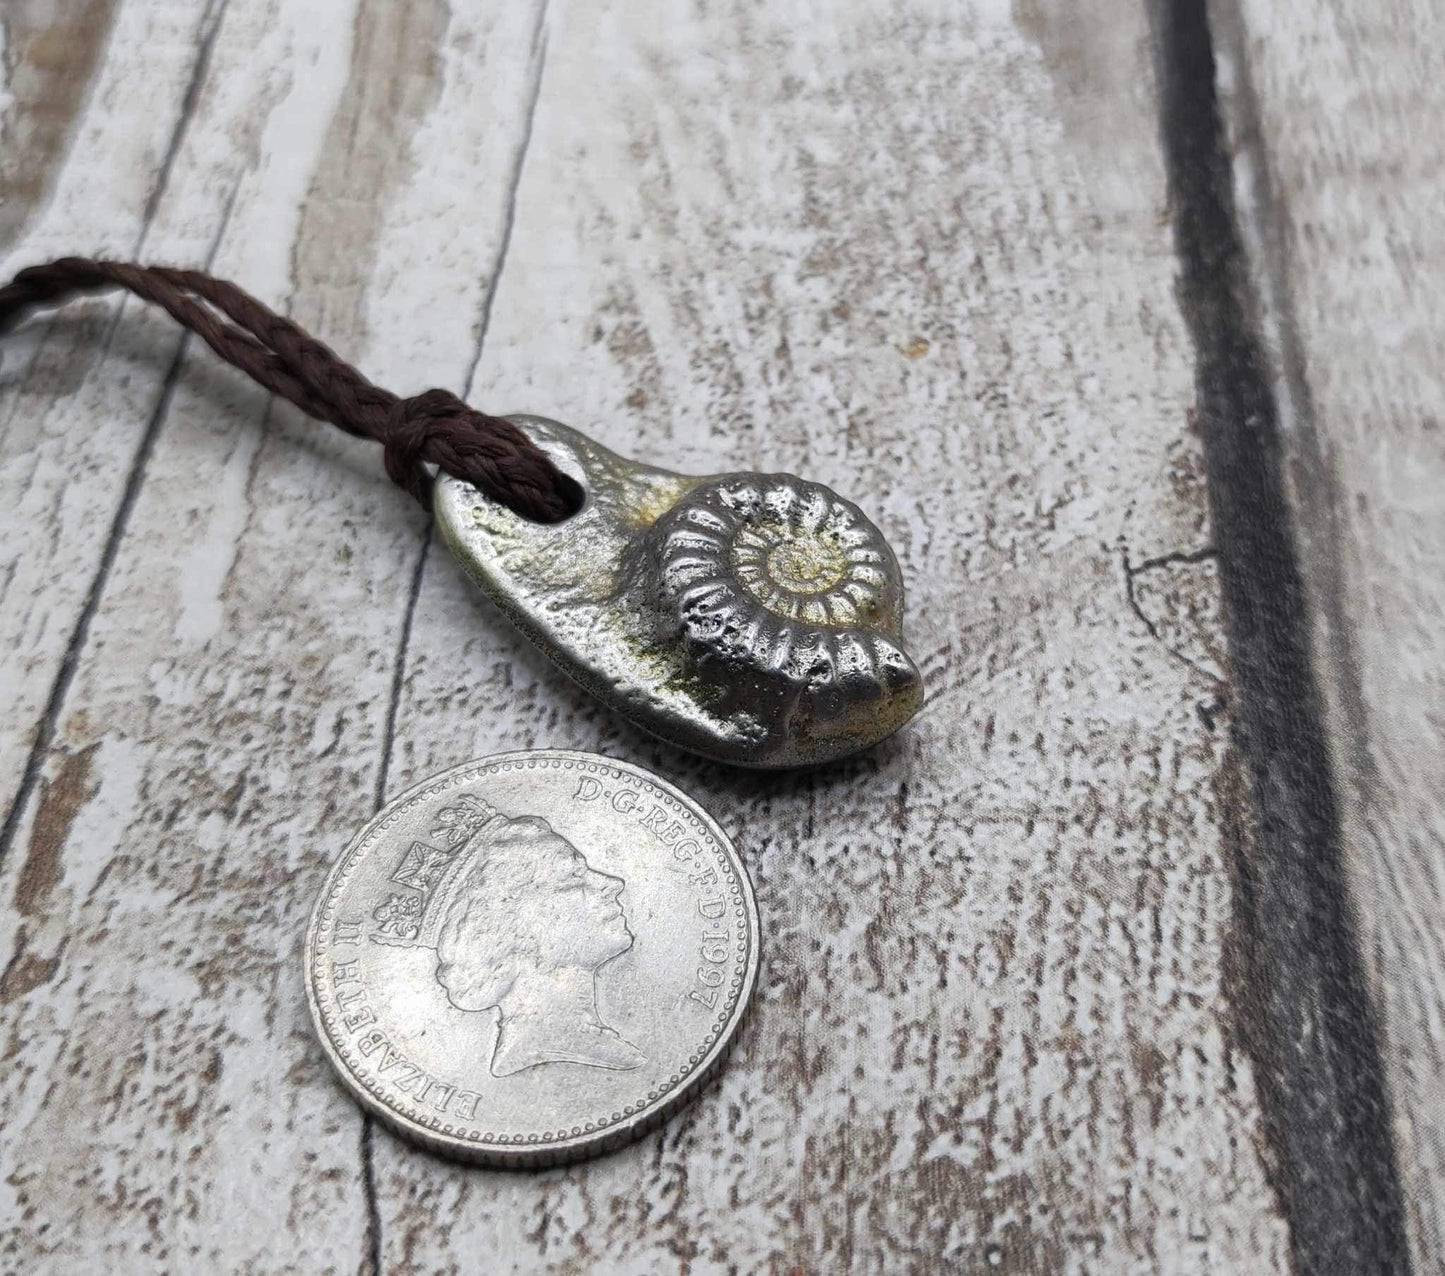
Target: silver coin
532 958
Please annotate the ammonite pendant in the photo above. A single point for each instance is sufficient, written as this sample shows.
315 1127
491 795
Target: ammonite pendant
752 618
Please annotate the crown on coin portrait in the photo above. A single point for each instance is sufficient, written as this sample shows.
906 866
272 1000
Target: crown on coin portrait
430 875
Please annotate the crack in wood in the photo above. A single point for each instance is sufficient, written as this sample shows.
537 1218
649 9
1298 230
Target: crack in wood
80 633
1131 594
1312 1026
994 945
514 182
373 1237
372 1263
210 24
398 670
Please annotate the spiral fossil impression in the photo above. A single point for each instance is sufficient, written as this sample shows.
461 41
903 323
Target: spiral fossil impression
772 580
753 618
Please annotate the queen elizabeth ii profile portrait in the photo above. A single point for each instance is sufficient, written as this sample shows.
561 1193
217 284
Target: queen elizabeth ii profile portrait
521 923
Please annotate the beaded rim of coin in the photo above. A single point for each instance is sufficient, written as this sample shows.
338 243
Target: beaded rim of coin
537 1148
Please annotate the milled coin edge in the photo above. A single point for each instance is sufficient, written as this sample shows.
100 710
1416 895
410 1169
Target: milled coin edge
584 1147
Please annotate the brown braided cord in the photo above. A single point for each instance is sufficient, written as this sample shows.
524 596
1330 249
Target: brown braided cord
434 427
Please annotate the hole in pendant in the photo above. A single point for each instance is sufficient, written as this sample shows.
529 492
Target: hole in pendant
573 493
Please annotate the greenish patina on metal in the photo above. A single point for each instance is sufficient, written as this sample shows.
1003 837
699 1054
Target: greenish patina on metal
752 618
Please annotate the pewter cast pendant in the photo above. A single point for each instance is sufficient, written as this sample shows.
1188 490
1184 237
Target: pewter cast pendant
532 958
752 618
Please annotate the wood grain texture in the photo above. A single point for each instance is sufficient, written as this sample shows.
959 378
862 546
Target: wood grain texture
1349 258
231 699
918 253
990 1032
65 380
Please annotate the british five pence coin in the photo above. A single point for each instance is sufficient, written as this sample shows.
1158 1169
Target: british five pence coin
532 958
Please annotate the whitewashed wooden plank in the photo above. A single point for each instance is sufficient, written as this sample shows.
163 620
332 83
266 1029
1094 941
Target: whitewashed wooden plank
164 1101
1334 113
874 246
93 108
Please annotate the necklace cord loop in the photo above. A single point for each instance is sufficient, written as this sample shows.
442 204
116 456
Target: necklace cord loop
434 427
